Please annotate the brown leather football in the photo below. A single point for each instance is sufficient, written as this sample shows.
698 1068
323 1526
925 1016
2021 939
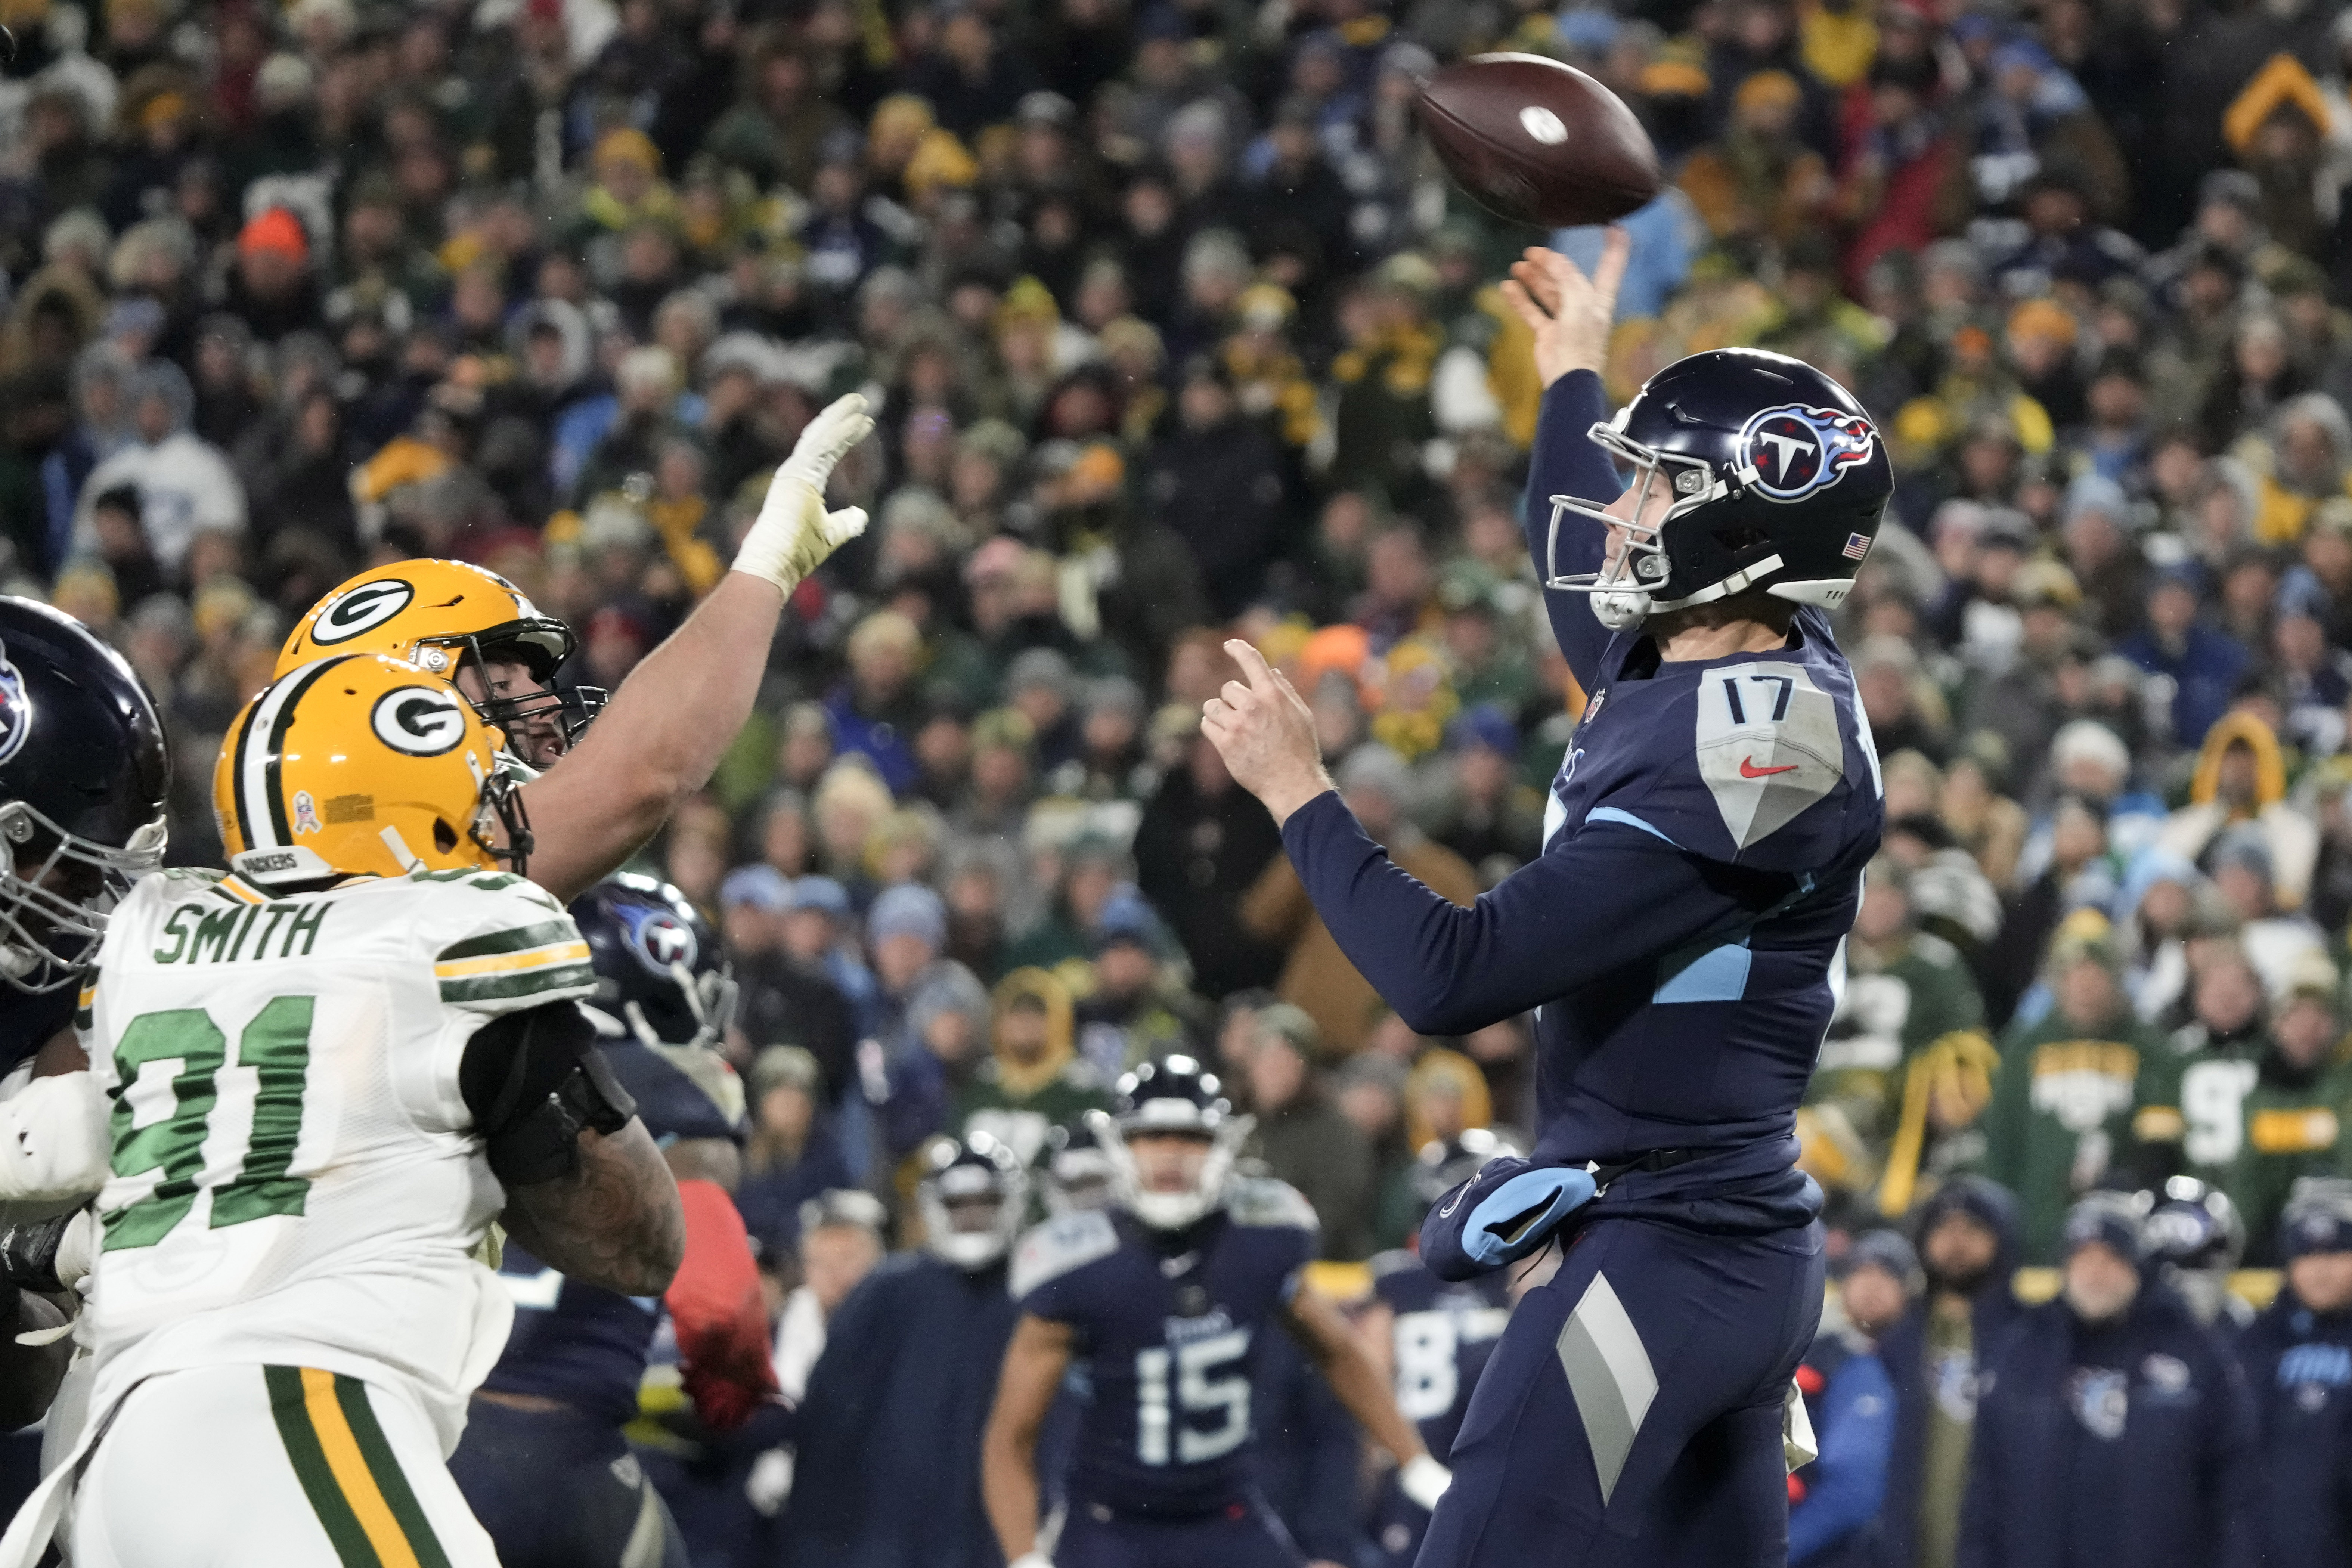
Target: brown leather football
1537 141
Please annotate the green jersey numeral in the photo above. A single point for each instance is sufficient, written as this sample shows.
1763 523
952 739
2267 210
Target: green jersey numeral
276 1046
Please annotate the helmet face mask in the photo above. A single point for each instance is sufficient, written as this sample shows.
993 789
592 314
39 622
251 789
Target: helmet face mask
550 721
56 889
975 1201
84 770
444 615
1749 471
1170 1098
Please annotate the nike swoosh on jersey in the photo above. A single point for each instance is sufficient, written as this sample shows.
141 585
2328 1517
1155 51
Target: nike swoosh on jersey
1748 770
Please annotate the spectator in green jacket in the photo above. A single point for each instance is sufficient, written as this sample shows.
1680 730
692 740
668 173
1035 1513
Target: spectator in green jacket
1034 1080
2063 1100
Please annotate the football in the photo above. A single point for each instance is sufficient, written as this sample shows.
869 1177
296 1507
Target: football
1537 141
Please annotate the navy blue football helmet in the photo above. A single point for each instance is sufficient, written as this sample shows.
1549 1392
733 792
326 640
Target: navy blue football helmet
659 969
2195 1225
663 983
2317 1217
1751 470
1172 1095
83 772
975 1198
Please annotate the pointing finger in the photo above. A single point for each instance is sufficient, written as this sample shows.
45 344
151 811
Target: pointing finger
1252 663
1616 251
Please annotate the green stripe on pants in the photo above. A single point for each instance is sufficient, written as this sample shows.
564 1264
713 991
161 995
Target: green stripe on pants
309 1461
351 1394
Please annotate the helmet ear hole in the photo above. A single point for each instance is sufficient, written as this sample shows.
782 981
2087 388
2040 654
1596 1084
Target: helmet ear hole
445 837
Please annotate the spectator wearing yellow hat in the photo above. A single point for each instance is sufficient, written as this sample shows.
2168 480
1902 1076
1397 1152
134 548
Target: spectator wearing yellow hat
1759 180
628 189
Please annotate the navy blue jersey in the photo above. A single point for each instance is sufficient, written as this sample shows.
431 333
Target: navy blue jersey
29 1021
1167 1328
2299 1364
1701 862
1442 1338
579 1343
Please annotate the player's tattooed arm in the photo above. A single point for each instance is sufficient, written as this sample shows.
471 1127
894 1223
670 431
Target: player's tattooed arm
614 1221
1034 1365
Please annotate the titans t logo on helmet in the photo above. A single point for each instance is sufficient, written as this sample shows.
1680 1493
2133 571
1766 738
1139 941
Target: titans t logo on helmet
1797 450
16 708
659 940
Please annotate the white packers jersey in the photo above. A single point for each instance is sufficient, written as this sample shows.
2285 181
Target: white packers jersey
294 1175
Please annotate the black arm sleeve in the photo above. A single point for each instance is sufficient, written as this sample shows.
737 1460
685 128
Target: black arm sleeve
532 1081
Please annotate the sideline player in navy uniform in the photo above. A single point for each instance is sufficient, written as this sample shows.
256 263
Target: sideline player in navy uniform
1702 863
1161 1300
543 1464
888 1474
1433 1336
2298 1360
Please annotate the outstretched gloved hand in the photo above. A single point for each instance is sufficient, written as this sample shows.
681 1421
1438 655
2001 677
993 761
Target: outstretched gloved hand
795 533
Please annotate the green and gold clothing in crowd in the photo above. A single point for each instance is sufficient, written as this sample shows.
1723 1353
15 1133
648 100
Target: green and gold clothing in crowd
2245 1119
1903 1003
2061 1116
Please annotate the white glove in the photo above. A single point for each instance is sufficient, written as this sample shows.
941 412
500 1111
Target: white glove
795 533
53 1142
1032 1558
1425 1480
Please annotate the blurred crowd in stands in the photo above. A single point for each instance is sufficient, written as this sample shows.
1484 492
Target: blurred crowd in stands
1176 330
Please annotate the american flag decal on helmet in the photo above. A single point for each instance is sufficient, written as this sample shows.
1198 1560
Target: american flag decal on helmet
1857 546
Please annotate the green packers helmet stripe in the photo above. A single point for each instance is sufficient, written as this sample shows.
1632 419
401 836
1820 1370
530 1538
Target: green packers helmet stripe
257 787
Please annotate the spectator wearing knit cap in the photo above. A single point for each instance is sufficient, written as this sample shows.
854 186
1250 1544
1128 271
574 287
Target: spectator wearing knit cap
1967 1240
271 288
1135 1009
792 1153
2204 665
185 485
783 998
1303 1138
1834 1501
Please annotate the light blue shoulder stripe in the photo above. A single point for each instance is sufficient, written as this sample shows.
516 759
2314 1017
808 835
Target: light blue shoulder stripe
1616 814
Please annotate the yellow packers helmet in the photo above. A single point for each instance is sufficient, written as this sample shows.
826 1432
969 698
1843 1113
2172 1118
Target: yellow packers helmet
436 614
362 764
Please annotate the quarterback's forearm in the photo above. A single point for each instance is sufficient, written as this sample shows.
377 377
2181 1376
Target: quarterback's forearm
1566 462
616 1221
657 740
1610 898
